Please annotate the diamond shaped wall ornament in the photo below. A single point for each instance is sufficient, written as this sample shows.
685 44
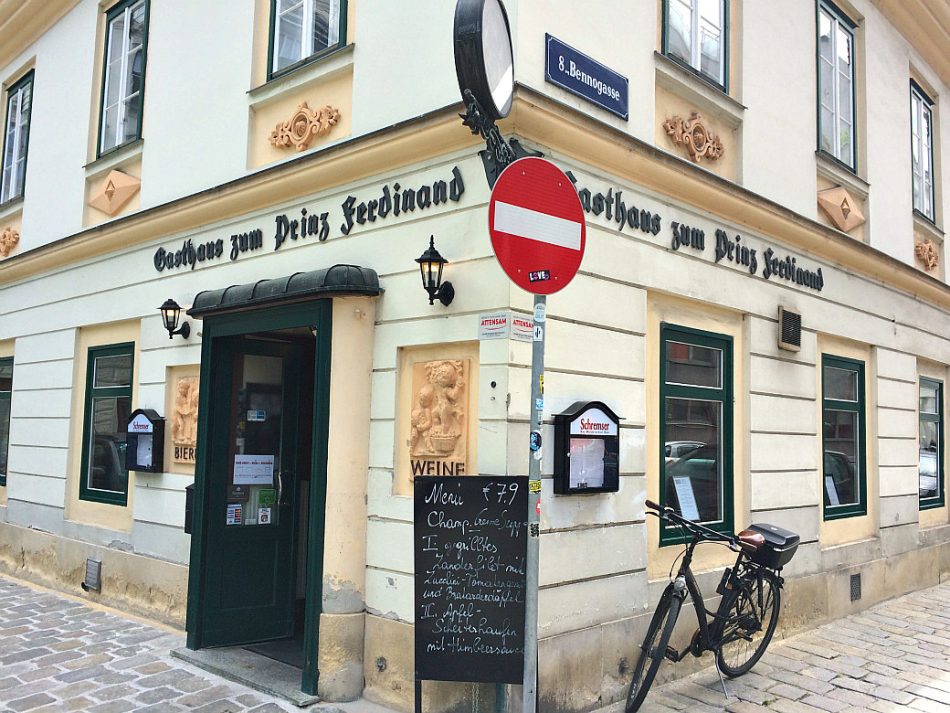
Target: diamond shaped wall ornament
841 208
117 190
8 240
692 133
304 126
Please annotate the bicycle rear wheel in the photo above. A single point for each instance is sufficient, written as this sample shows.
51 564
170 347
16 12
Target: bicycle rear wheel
751 623
653 649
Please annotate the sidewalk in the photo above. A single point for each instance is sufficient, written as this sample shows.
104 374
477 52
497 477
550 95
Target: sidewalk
58 653
894 656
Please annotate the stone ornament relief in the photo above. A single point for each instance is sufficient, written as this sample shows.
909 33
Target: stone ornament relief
117 190
841 208
928 254
9 239
304 126
439 421
692 133
185 419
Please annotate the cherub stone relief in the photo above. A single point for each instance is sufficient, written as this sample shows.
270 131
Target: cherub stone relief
440 411
185 413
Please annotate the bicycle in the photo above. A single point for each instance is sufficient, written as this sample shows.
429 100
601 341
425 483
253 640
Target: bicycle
742 626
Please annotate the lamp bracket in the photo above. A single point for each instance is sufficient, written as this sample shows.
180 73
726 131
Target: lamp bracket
499 153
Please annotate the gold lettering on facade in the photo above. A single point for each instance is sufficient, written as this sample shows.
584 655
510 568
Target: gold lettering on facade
692 133
185 419
9 239
304 126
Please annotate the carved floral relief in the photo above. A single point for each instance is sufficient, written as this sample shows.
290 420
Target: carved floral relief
304 126
9 238
928 254
439 419
692 133
185 419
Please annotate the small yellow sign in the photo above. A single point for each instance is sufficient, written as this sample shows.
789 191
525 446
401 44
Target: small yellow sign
534 486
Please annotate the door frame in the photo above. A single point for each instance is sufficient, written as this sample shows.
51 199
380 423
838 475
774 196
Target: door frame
318 314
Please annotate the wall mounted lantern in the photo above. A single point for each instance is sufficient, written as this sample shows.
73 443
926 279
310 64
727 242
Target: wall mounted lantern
171 312
430 265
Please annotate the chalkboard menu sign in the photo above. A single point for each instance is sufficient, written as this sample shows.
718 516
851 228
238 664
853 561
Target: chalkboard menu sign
470 549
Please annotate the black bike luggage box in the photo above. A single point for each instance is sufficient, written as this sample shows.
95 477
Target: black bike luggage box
780 546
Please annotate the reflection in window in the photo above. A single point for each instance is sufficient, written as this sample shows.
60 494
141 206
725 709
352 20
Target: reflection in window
16 137
695 36
931 444
696 413
842 432
124 81
303 28
836 85
921 130
6 390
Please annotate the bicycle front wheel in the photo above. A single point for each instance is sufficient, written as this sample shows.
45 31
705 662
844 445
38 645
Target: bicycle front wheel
751 623
653 649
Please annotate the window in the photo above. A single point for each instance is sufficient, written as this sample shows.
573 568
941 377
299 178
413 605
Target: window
696 418
843 437
304 28
836 85
695 35
931 444
16 136
6 389
123 79
104 477
922 151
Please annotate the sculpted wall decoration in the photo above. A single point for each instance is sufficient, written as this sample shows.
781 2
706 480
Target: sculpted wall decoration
9 239
841 207
928 254
304 126
117 190
185 419
693 134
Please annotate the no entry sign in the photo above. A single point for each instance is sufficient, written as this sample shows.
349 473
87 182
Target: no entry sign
537 227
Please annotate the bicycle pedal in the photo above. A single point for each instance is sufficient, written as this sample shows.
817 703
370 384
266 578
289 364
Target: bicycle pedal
671 654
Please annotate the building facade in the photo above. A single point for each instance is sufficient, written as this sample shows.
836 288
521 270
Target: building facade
772 162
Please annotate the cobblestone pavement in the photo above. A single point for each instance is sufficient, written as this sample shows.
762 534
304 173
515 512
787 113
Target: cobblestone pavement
59 654
894 656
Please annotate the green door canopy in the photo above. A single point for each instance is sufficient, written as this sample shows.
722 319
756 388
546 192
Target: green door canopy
336 281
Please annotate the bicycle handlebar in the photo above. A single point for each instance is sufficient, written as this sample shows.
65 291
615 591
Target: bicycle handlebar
668 513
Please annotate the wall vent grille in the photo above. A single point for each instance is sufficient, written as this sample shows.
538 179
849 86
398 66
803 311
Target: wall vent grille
855 587
789 330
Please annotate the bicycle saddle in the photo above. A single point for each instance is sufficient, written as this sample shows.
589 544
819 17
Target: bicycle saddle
751 541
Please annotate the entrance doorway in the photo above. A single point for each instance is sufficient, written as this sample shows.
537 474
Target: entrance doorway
257 550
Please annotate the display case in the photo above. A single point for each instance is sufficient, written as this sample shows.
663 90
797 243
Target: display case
145 441
586 449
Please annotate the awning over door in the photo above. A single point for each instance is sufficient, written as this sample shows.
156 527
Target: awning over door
336 281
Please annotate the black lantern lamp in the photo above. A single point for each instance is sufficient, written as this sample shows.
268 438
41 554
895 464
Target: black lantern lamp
171 312
430 265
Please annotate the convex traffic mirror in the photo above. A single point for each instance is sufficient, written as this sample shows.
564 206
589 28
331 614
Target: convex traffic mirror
483 56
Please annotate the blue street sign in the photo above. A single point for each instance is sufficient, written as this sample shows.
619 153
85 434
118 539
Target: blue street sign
585 77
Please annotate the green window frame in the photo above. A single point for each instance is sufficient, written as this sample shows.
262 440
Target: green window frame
16 138
702 30
289 46
6 391
837 102
930 443
122 99
681 347
103 475
922 152
844 429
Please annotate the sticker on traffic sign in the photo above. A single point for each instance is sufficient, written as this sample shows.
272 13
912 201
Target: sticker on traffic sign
537 227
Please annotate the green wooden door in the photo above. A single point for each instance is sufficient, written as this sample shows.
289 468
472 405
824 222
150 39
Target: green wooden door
251 479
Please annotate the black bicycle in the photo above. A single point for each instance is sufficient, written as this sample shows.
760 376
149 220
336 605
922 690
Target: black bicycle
739 631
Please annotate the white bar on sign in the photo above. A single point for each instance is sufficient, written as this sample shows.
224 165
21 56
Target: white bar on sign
533 225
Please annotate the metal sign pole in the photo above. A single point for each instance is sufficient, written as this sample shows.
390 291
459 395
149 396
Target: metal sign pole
529 690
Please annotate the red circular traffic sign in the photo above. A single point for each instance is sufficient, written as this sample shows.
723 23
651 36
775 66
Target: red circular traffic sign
537 227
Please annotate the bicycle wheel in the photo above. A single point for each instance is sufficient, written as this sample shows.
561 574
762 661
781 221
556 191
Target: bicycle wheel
751 623
653 649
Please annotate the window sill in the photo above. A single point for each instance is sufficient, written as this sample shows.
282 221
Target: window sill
710 99
116 158
839 173
926 227
319 67
12 207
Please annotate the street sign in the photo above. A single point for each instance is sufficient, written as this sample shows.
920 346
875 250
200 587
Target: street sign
537 227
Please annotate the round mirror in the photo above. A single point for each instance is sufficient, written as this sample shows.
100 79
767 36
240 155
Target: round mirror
483 59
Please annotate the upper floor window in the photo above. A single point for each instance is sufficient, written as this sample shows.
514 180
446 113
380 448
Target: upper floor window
694 33
836 84
104 477
304 28
696 418
6 389
931 444
16 136
123 81
922 151
843 437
